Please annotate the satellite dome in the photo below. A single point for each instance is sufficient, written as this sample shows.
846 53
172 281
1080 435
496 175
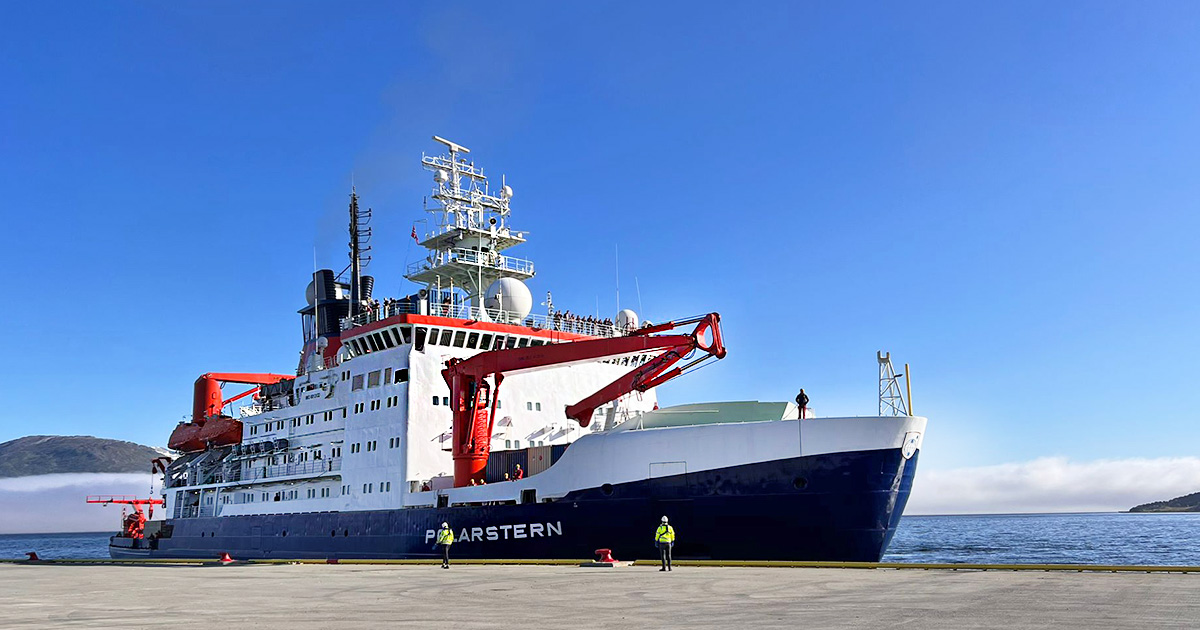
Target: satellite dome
441 176
510 296
310 293
627 319
506 192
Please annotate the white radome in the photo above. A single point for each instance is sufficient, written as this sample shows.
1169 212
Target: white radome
627 318
509 295
506 192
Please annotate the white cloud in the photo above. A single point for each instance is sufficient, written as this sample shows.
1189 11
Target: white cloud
1053 484
56 503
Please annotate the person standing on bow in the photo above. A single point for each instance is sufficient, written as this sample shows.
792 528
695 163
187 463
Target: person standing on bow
802 402
665 538
445 538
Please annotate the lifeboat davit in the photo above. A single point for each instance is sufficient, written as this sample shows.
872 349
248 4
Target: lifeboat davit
221 431
186 438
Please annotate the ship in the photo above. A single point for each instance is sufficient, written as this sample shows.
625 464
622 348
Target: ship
532 435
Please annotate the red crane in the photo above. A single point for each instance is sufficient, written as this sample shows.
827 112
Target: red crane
133 524
208 425
470 392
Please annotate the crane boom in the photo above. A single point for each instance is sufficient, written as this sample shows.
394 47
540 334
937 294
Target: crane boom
470 392
206 396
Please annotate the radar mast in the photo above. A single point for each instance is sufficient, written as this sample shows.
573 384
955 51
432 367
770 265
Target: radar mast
468 231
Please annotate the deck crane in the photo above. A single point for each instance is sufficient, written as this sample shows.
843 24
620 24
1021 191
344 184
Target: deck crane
208 426
470 391
133 524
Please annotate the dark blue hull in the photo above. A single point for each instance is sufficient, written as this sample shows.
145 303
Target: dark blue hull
842 506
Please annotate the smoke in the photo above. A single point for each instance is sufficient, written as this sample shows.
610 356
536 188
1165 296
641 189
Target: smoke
56 503
1053 484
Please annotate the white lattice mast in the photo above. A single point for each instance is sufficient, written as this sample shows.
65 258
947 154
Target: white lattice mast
891 396
470 229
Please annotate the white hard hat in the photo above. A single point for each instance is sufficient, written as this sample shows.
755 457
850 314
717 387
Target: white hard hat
448 525
664 519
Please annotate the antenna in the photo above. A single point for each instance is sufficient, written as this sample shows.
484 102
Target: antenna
891 398
636 285
617 263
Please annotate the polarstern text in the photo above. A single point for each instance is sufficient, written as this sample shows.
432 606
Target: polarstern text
503 532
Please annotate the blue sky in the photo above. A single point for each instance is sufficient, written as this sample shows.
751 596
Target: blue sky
1003 196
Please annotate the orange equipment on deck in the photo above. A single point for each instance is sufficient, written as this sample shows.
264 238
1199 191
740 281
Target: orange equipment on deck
133 524
208 425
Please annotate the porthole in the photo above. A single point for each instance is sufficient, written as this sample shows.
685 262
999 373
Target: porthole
332 533
799 483
284 534
345 532
607 489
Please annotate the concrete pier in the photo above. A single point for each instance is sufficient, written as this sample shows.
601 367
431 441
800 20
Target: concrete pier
427 597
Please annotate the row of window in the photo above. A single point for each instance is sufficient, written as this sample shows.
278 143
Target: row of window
277 425
517 443
375 378
372 445
470 340
384 486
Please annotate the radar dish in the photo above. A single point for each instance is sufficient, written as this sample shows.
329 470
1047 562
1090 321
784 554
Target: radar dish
508 299
627 319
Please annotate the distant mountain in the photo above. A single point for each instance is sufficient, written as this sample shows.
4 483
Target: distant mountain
46 454
1187 503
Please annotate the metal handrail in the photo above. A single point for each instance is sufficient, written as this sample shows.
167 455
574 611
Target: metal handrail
557 321
492 260
284 470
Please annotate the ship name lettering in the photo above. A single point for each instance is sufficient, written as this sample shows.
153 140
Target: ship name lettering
492 532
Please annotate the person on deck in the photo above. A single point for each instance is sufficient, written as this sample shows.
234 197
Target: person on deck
664 536
520 474
445 538
802 402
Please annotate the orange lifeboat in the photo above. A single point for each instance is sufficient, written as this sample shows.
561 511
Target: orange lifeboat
221 431
186 438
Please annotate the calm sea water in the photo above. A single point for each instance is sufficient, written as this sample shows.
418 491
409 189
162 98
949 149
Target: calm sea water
998 539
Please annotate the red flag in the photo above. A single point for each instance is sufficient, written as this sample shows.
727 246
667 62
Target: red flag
414 234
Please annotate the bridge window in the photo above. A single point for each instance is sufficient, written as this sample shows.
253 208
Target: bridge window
460 338
419 339
402 375
510 343
485 341
523 342
433 336
373 379
387 375
446 334
473 340
358 383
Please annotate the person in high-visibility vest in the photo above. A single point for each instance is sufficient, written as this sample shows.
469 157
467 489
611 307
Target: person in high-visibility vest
665 538
445 538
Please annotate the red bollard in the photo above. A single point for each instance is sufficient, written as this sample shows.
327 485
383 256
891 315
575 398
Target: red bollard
605 555
33 557
225 559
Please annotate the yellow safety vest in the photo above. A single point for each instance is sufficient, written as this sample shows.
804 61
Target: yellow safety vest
445 537
665 533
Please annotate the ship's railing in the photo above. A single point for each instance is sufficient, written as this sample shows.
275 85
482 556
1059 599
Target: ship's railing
285 470
491 260
559 321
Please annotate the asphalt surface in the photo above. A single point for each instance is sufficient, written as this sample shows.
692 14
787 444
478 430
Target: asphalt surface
428 597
